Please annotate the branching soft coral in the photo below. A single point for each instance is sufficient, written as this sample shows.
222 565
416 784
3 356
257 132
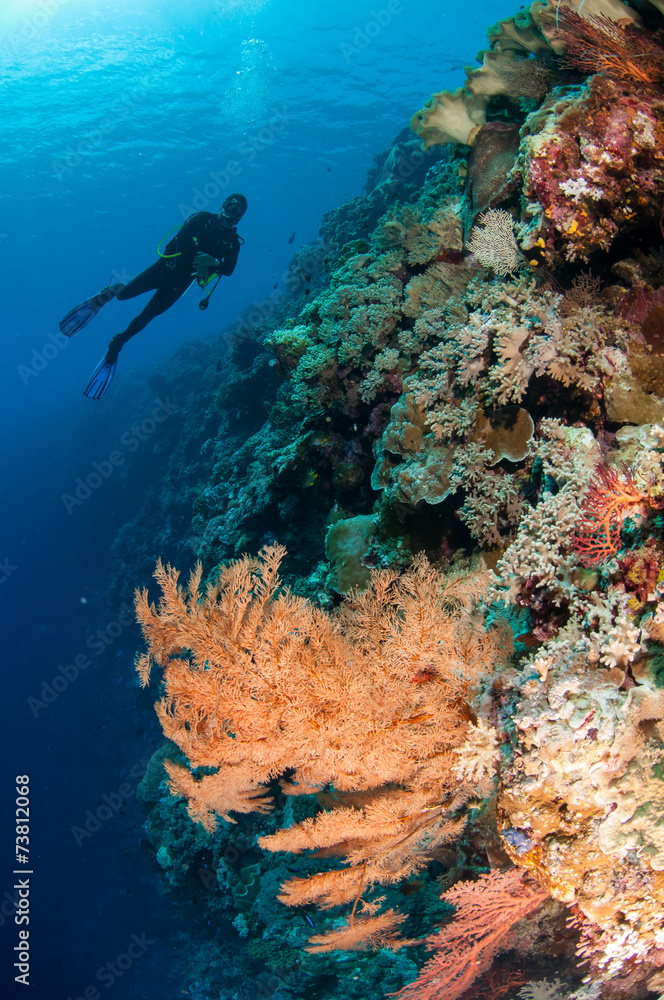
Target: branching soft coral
372 701
599 45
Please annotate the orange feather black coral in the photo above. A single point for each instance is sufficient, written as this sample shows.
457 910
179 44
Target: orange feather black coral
370 701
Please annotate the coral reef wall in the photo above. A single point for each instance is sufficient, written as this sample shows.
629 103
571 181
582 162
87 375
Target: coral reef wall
465 377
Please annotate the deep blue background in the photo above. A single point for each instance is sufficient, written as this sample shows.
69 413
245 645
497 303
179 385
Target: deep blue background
115 118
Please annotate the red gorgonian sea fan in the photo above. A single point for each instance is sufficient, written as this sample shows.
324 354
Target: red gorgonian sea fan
465 948
612 496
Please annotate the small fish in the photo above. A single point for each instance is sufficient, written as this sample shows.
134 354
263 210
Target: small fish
291 238
410 888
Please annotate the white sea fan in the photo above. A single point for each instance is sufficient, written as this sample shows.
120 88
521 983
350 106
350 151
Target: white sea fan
494 244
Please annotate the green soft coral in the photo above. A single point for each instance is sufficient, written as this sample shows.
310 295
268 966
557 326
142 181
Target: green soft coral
290 344
316 362
360 308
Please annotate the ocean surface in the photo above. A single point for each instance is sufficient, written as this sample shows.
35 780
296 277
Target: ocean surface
118 120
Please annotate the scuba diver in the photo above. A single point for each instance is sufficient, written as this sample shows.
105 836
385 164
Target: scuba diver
206 245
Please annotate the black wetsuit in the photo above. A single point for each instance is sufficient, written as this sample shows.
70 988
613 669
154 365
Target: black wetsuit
171 276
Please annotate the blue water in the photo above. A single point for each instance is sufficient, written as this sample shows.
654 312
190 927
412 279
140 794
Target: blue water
118 120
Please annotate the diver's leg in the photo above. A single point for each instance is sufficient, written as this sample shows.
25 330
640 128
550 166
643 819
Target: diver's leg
79 317
146 281
108 293
163 299
152 277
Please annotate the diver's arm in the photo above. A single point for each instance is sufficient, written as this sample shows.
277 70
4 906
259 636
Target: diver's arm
205 266
222 265
229 257
206 260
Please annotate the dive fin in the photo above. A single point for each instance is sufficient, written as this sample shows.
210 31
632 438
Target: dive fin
101 377
82 314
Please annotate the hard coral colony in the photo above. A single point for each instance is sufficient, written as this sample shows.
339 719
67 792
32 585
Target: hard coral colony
473 404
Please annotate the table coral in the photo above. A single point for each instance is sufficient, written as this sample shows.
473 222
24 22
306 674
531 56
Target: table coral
411 467
507 432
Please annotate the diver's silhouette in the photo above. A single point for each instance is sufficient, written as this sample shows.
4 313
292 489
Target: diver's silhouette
206 245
